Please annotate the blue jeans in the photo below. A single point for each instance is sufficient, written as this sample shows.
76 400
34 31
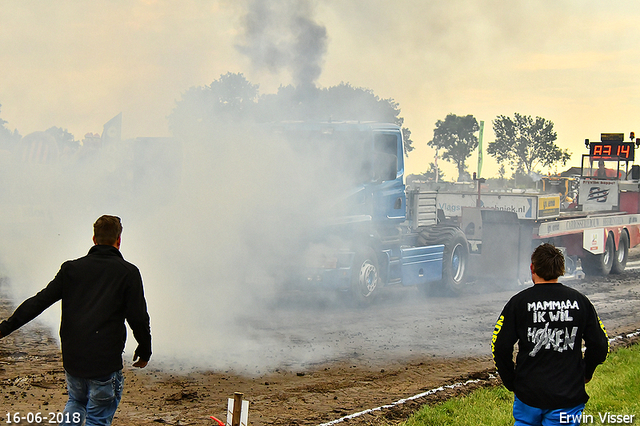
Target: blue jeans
95 400
526 415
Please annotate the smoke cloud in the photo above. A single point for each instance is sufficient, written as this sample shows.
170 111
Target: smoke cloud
214 221
282 35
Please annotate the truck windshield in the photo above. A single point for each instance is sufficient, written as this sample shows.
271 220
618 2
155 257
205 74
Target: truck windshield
343 157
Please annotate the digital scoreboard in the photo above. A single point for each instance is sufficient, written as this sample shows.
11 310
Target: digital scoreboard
612 147
612 151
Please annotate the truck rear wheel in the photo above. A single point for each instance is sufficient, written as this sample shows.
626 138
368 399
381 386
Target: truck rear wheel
365 277
600 264
454 261
620 258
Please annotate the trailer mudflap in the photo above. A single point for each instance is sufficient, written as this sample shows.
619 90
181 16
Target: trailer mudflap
504 254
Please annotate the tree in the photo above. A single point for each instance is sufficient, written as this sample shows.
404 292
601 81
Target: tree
456 136
229 99
526 142
501 173
232 99
8 139
338 103
430 174
65 140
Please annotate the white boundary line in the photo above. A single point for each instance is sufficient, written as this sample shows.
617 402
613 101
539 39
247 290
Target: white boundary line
439 389
628 335
401 401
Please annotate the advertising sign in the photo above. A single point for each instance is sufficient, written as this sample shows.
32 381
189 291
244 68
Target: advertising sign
531 207
548 206
598 194
593 240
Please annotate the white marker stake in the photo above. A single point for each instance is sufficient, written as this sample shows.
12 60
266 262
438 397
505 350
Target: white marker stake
244 412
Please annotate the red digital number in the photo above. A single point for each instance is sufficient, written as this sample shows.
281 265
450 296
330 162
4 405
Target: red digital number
623 151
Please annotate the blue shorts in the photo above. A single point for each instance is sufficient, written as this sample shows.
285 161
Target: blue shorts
525 415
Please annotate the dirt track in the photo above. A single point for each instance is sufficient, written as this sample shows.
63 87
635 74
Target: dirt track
400 347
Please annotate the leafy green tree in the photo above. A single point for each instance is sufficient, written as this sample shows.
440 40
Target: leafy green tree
501 173
232 99
338 103
65 140
8 139
432 172
526 142
229 99
406 138
346 102
456 137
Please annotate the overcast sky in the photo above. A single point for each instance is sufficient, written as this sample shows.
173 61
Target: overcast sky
76 64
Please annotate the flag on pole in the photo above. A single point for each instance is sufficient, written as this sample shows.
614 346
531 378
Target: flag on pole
112 131
481 135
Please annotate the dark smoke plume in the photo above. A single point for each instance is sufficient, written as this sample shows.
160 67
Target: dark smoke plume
282 35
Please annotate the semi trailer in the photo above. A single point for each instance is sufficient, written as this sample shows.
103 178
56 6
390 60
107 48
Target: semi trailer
383 233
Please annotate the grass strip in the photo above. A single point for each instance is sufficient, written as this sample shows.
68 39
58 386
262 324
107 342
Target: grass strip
614 391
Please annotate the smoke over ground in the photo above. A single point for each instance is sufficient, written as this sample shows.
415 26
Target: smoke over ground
212 232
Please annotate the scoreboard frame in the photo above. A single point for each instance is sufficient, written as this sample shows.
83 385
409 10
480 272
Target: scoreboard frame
614 150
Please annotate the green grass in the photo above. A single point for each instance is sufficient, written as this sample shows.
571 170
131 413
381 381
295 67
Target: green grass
615 388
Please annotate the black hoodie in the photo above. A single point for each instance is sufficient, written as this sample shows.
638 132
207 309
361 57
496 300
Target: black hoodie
549 321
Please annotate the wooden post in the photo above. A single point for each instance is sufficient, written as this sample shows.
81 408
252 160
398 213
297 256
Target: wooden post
237 408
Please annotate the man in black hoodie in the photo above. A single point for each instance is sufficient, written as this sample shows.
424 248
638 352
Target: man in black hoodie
548 321
99 292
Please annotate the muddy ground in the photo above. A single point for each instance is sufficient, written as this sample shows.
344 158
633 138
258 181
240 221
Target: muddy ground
441 341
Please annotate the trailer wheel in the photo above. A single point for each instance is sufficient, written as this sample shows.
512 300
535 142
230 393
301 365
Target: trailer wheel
600 264
365 278
454 262
620 258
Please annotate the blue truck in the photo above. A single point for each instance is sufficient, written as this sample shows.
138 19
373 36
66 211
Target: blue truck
379 234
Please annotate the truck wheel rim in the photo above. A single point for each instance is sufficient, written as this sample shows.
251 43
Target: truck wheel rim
457 263
368 278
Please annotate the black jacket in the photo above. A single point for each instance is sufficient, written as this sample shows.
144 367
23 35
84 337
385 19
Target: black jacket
98 291
549 322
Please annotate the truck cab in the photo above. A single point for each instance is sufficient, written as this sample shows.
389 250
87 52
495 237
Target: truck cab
366 240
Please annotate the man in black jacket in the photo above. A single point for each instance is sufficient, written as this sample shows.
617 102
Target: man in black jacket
99 292
549 321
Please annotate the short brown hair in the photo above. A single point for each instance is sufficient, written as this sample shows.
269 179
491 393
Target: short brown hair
107 230
548 262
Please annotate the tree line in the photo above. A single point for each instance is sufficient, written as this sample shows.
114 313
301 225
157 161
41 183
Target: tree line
232 100
522 141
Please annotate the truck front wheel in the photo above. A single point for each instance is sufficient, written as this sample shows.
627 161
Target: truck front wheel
365 277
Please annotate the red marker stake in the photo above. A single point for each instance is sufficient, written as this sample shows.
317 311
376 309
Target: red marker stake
219 422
